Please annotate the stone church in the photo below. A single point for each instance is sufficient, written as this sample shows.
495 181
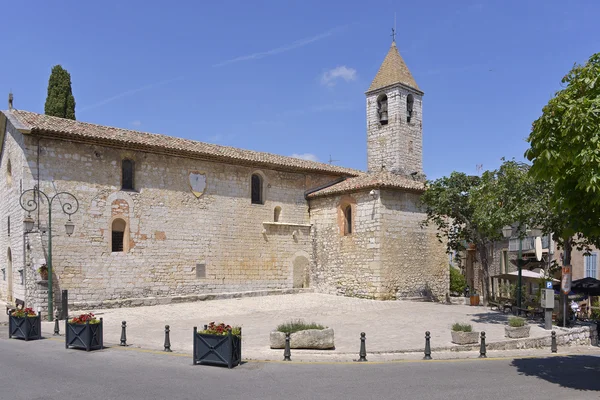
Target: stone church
159 219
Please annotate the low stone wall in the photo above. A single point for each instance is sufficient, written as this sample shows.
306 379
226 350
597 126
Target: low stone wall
580 336
153 301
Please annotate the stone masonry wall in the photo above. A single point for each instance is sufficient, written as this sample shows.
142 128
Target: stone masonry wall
169 232
414 262
398 145
348 265
11 272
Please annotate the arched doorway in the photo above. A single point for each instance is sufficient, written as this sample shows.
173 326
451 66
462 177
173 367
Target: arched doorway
9 274
300 266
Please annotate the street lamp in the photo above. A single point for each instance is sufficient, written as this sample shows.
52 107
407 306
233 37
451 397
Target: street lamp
69 208
507 233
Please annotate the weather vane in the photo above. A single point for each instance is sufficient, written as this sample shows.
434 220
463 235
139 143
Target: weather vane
393 35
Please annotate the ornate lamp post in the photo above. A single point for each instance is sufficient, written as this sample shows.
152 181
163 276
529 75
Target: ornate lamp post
68 208
507 233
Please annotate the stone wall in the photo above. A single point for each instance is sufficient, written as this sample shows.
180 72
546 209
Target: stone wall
348 265
398 145
12 273
169 232
387 256
414 262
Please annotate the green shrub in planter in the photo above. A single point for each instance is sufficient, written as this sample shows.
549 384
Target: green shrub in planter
298 325
516 322
457 281
458 327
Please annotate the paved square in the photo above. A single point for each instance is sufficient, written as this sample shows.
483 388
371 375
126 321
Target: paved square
390 325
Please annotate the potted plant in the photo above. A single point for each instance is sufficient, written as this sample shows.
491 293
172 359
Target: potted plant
25 324
43 271
218 344
516 328
84 332
303 336
463 334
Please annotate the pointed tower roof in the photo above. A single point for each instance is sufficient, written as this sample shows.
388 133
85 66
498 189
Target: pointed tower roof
393 70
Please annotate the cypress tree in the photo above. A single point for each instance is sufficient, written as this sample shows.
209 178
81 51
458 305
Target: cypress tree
60 101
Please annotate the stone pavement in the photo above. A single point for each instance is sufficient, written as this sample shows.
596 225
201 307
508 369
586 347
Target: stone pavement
391 326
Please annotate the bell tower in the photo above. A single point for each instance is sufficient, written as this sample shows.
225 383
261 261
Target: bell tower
394 118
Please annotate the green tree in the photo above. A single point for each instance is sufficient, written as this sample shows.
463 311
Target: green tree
565 153
60 101
472 210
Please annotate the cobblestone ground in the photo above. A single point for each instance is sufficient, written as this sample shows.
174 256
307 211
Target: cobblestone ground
390 325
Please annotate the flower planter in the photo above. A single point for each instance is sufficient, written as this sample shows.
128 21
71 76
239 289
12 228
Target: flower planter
27 328
84 336
217 349
320 339
516 332
465 337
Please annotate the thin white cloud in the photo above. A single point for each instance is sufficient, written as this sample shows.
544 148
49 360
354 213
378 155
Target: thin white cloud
306 156
282 49
128 93
137 122
330 78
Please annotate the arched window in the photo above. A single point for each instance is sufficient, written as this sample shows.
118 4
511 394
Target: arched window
382 109
8 172
409 107
257 189
348 220
127 175
276 214
118 235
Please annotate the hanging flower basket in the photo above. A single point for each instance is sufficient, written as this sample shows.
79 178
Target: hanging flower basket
25 324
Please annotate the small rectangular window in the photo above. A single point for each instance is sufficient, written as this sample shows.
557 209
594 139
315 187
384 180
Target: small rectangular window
201 271
591 265
127 178
117 241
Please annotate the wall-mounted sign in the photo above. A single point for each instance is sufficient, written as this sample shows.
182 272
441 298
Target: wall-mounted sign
197 183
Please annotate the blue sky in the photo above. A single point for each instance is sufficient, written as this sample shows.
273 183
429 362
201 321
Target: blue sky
289 77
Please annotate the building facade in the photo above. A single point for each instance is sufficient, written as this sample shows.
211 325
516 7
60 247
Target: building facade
161 218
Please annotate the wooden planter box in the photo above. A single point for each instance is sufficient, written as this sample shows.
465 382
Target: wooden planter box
28 328
84 336
217 349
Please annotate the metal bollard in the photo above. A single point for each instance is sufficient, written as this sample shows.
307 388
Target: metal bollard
427 346
553 346
482 349
167 340
287 354
363 349
56 327
123 333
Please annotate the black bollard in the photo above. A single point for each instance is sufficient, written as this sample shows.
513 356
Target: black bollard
482 349
167 340
123 333
427 346
56 328
287 354
553 347
363 348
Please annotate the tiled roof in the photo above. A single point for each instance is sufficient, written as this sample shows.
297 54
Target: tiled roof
393 70
382 179
39 124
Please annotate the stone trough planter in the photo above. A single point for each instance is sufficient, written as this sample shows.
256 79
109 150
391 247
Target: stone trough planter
516 332
319 339
465 337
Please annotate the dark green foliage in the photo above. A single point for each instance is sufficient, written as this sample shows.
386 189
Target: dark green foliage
565 152
457 281
458 327
298 325
60 101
